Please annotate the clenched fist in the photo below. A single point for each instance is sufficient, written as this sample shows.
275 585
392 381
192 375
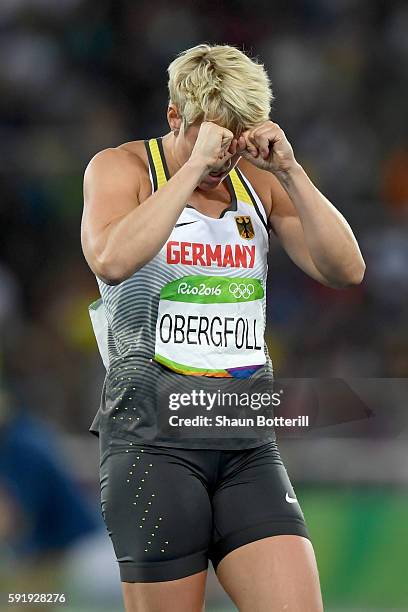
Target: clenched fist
214 146
267 147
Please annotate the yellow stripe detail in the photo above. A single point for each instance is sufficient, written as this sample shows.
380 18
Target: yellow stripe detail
241 191
158 163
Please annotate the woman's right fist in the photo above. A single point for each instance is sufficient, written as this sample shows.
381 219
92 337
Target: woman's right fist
214 146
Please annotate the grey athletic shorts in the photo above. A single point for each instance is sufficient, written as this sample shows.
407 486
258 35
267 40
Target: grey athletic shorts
169 510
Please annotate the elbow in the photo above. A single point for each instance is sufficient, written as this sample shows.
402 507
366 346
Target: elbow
113 271
353 276
357 274
109 280
110 268
110 272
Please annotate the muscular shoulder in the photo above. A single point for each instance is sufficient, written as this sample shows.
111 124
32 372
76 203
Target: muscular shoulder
126 164
264 183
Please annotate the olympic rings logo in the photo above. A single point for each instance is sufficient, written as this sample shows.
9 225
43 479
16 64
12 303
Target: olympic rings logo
241 290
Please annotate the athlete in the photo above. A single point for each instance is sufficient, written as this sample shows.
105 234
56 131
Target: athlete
176 230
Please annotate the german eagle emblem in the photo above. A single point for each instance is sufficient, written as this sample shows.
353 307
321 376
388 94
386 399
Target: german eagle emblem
245 227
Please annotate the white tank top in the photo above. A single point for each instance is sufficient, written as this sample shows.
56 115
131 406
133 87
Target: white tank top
199 306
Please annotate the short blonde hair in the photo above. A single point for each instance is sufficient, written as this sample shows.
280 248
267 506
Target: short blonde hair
220 83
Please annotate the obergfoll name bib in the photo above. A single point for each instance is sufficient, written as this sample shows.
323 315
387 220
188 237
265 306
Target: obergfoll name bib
211 326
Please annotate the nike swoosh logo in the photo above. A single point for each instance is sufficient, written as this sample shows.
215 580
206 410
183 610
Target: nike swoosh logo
186 223
290 500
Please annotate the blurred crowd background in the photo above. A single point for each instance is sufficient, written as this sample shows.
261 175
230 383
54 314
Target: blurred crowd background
77 76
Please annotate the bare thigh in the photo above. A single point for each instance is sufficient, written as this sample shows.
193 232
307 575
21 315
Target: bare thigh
183 595
274 574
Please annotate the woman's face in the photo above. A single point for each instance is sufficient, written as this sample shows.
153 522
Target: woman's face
184 145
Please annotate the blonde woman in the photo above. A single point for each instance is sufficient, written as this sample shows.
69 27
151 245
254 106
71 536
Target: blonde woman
176 230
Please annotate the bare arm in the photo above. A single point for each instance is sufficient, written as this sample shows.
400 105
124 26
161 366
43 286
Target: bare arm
118 233
313 232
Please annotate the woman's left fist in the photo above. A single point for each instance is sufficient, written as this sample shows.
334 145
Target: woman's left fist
267 147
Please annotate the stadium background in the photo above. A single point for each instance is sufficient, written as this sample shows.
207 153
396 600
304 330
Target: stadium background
77 76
